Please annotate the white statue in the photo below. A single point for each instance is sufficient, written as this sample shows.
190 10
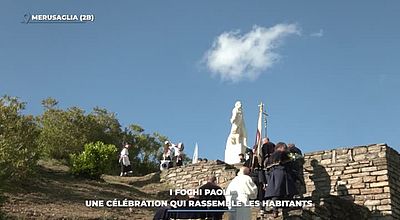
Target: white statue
238 133
237 139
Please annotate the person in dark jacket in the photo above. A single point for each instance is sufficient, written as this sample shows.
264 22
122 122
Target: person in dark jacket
258 177
162 213
213 195
266 150
281 183
297 166
293 149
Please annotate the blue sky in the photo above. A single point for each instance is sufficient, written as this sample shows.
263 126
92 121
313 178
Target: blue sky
336 82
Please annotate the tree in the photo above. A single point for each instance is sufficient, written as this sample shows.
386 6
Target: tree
49 103
105 126
18 140
64 132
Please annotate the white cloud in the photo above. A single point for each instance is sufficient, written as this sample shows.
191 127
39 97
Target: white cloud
235 57
320 33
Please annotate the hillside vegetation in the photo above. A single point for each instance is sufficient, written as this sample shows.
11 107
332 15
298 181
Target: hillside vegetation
53 193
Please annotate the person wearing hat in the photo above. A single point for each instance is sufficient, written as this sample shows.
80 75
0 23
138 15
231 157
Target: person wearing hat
124 161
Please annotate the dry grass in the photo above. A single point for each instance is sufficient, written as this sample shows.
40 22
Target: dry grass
55 194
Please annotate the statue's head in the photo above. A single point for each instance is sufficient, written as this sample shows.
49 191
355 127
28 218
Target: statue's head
238 105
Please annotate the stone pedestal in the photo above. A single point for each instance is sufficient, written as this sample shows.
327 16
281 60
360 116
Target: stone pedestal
232 152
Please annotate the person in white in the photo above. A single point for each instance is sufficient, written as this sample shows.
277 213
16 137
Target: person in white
240 190
167 153
124 161
179 154
166 161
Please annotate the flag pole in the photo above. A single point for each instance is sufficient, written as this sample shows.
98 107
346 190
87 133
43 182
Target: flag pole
257 148
265 122
261 113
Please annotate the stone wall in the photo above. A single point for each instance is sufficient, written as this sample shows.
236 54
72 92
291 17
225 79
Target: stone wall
194 175
368 177
393 163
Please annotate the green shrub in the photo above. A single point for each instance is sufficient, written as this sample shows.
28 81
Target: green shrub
96 159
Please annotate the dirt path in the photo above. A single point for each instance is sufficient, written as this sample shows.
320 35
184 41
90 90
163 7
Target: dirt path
55 194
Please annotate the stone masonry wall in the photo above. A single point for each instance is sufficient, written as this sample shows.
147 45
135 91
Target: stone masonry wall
394 180
367 176
194 175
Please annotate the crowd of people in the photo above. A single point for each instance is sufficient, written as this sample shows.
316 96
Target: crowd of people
272 172
172 155
277 176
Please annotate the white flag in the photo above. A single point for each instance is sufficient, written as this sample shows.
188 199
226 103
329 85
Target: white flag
259 132
195 154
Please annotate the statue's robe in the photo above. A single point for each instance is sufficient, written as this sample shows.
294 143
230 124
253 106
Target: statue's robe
237 139
238 129
241 189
